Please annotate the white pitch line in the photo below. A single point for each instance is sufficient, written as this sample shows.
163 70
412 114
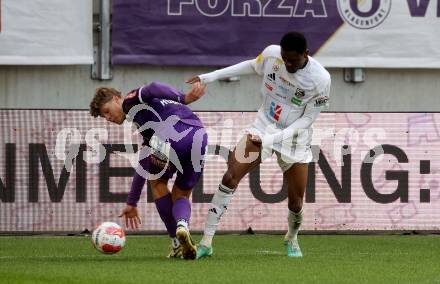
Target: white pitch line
49 256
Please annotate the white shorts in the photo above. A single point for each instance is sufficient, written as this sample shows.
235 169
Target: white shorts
288 152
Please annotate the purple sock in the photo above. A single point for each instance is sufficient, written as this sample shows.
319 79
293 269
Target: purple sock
182 209
164 206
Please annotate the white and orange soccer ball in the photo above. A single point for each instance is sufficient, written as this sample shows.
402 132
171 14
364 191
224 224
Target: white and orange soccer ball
108 238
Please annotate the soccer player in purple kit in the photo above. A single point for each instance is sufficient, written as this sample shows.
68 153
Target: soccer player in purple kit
174 141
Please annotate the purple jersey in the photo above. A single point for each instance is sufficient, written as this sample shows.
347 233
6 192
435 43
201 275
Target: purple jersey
164 100
158 110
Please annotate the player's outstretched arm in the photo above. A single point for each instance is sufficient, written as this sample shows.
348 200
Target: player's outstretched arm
161 91
242 68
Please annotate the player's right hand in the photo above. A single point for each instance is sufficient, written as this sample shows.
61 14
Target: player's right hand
193 80
131 215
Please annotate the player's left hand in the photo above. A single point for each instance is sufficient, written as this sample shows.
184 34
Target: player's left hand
197 91
131 215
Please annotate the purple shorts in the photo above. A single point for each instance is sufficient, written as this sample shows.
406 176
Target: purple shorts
190 152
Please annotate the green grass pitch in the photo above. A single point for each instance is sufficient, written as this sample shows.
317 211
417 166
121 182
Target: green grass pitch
236 259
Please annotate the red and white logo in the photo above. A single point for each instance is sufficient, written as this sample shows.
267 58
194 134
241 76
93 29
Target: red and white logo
268 86
275 111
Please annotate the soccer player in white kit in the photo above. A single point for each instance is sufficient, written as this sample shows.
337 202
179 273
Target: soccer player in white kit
295 88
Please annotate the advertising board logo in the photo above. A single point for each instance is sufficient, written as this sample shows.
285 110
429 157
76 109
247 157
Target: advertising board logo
365 14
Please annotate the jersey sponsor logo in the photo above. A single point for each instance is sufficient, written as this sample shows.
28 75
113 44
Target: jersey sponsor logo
296 101
300 93
352 14
285 90
166 102
268 86
271 76
287 82
275 111
321 101
281 96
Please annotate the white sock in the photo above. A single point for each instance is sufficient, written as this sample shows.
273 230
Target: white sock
218 206
182 223
175 242
294 221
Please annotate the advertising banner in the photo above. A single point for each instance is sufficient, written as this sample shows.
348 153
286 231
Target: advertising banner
371 171
341 33
46 32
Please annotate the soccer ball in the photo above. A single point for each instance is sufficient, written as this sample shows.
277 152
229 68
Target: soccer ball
108 238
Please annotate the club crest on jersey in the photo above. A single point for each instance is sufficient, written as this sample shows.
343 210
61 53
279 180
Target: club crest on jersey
276 67
271 77
300 93
275 111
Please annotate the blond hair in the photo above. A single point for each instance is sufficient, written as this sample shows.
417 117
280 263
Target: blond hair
102 96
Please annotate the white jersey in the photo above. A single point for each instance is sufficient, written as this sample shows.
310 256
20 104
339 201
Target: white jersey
291 101
286 95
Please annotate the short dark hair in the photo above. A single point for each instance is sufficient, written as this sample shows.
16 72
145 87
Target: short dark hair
294 41
102 96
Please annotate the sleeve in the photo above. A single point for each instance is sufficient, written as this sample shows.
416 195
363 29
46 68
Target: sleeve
261 59
247 67
311 112
242 68
136 189
161 91
137 185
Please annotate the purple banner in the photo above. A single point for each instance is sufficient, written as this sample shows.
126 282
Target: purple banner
214 32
